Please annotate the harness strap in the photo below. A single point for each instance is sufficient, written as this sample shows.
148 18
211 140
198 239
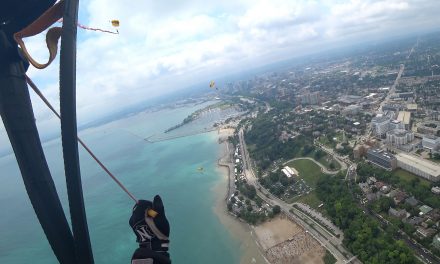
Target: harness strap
153 227
42 23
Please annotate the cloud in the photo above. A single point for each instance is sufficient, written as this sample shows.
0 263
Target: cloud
164 46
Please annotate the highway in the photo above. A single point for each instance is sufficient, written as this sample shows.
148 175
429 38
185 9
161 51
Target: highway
392 90
320 233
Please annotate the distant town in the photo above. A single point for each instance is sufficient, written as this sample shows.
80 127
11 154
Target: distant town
345 146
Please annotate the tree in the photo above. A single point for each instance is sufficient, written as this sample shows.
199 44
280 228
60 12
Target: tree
319 154
332 166
276 210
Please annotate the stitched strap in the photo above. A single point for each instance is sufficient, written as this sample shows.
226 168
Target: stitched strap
42 23
154 229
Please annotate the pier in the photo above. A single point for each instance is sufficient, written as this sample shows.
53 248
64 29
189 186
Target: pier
153 139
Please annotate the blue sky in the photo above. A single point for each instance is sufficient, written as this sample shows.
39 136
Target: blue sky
169 45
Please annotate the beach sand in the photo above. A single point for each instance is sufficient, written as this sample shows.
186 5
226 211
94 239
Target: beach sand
278 241
239 230
285 242
276 231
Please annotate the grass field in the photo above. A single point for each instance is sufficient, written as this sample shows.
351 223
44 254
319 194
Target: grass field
308 171
405 176
311 199
324 140
326 160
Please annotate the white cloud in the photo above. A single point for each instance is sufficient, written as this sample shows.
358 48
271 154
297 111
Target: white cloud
168 45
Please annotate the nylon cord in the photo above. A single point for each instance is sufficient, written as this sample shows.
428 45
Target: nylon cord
42 97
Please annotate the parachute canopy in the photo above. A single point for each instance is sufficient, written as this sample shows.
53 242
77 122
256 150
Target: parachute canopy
212 84
115 23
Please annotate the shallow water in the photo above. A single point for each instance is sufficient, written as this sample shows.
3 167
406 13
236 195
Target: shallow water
168 168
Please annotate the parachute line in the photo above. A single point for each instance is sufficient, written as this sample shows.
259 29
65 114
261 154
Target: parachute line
43 98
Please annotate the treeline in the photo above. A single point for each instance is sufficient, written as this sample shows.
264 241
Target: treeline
265 146
271 183
413 187
362 235
185 121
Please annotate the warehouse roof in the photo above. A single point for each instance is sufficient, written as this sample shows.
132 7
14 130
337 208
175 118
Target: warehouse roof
419 163
404 117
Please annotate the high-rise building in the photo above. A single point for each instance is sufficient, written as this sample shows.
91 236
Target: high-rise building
310 98
380 125
399 137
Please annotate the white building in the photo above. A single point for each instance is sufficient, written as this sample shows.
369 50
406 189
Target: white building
380 125
292 171
419 166
399 137
431 142
351 110
288 175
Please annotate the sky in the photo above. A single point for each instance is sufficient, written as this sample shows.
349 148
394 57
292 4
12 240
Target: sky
168 45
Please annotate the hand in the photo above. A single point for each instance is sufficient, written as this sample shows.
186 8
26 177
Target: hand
151 232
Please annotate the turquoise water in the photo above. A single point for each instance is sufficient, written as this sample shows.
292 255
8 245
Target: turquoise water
168 168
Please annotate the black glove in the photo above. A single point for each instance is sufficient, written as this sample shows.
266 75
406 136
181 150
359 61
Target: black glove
152 232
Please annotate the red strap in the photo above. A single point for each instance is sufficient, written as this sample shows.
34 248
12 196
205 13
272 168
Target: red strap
42 23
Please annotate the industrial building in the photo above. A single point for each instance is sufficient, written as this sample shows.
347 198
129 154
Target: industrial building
431 142
382 159
405 118
351 110
399 137
419 166
429 127
406 95
411 108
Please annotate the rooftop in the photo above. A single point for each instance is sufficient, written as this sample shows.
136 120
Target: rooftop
380 119
421 164
411 107
404 117
425 209
381 153
398 132
430 137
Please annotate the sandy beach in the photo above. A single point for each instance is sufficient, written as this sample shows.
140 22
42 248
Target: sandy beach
278 241
239 230
285 242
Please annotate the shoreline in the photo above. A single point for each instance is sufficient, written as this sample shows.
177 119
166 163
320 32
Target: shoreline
297 247
250 251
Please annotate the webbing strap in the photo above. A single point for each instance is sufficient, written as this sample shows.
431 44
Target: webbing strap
42 23
153 227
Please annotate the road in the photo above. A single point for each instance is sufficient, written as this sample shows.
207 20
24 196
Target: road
396 82
324 237
343 161
392 90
